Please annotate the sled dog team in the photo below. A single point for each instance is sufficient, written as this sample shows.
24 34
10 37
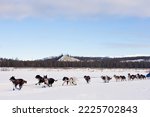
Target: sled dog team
18 83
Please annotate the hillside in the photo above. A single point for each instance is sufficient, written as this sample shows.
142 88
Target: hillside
68 59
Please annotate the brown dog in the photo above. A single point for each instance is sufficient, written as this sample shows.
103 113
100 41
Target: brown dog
17 82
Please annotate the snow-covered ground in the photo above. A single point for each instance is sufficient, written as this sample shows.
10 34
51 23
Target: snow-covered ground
96 90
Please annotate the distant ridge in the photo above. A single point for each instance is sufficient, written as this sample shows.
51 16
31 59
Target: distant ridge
80 62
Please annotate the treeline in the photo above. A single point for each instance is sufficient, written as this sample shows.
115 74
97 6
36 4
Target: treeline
90 63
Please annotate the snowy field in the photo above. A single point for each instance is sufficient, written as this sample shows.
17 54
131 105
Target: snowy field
96 90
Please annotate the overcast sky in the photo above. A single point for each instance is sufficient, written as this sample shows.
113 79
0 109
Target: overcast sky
34 29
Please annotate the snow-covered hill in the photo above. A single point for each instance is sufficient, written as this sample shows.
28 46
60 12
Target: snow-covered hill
68 58
137 60
96 90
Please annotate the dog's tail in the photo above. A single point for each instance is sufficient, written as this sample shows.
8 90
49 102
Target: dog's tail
25 81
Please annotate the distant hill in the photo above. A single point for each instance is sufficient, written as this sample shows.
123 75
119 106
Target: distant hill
120 59
135 59
68 58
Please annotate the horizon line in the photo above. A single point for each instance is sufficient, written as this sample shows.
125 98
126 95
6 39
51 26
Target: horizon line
16 58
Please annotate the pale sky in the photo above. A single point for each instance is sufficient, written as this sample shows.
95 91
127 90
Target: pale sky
34 29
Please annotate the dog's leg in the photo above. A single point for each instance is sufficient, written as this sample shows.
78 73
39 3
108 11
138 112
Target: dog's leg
74 83
68 81
37 83
43 86
63 83
20 86
13 87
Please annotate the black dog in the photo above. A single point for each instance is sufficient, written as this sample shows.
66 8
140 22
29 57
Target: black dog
49 81
40 79
87 78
